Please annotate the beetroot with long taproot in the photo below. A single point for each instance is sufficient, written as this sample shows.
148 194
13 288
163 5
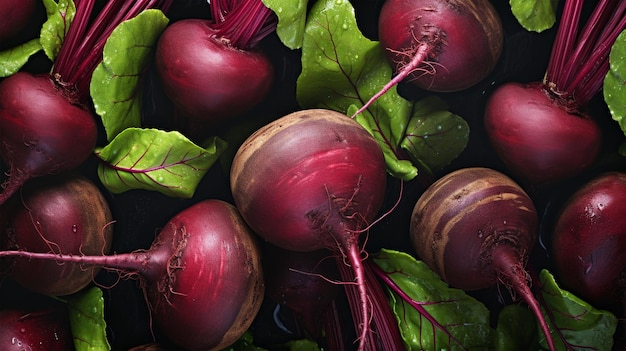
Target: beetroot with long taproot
314 179
202 276
475 227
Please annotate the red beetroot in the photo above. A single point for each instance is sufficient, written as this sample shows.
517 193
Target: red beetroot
212 69
538 138
475 228
46 124
439 45
58 214
589 241
542 130
16 15
313 179
202 276
43 128
461 40
35 329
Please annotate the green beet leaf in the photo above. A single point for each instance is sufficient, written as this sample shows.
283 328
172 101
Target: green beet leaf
156 160
11 60
580 325
60 16
535 15
614 89
116 82
342 69
517 329
435 136
291 20
437 317
86 311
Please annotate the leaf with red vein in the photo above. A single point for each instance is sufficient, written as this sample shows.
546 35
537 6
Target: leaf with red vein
157 160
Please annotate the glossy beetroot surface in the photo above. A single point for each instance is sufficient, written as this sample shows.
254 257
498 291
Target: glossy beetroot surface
538 136
209 80
43 129
589 241
462 34
60 214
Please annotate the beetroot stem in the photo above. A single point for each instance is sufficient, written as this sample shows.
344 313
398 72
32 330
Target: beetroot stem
579 62
507 263
565 37
81 51
421 53
243 24
128 262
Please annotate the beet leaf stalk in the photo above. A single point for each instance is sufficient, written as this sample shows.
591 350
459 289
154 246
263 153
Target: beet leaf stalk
385 333
81 51
46 121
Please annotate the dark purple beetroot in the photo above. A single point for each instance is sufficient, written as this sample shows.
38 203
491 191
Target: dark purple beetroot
589 242
462 40
207 79
537 135
476 227
43 129
59 214
40 329
16 15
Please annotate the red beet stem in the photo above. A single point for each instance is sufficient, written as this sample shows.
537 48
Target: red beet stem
508 265
145 263
352 253
242 24
421 53
579 60
81 51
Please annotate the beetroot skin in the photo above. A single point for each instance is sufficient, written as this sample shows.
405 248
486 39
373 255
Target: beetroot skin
589 241
42 129
535 134
209 80
464 40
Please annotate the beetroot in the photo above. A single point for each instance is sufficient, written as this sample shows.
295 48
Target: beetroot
588 242
202 276
536 136
16 15
475 228
543 131
58 214
451 36
313 179
439 45
212 69
46 122
35 329
44 130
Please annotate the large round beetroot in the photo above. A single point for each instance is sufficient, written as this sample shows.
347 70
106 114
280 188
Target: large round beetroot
43 129
207 79
589 241
463 40
60 214
538 135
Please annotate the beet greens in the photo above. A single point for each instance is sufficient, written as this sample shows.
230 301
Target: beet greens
46 121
